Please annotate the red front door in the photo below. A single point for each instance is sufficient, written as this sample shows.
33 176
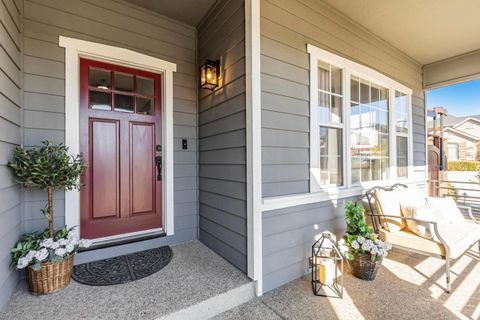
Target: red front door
120 140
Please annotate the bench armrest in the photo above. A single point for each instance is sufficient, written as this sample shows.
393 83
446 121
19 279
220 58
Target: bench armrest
469 211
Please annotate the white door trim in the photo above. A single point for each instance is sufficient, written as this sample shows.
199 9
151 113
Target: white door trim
74 49
254 144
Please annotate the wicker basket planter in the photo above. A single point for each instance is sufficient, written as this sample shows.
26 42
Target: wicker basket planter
51 277
364 268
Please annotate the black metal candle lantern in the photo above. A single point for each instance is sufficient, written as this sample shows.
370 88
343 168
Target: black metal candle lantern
325 262
209 73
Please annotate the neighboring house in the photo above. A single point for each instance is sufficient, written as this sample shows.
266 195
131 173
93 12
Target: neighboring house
312 108
462 137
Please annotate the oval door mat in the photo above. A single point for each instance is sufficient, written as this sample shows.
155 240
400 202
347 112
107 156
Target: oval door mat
122 269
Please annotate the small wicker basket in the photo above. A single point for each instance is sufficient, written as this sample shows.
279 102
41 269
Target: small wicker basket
52 277
364 268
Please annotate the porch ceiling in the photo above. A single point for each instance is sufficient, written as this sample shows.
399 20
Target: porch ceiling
190 12
427 30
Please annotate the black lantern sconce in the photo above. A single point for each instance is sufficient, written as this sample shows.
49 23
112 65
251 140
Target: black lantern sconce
209 74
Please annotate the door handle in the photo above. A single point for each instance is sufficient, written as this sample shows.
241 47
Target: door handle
158 163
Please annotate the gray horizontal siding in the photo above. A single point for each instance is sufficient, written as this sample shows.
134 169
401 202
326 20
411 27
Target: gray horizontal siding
286 28
288 235
10 137
221 133
106 22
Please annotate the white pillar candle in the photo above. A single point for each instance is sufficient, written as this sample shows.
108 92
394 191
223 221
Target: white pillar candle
326 270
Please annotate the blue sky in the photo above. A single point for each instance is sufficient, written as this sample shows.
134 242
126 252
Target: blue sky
461 99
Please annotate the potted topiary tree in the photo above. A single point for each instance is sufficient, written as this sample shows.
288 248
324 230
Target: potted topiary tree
48 254
365 250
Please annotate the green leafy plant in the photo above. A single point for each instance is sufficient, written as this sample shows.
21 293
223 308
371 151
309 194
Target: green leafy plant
360 237
48 167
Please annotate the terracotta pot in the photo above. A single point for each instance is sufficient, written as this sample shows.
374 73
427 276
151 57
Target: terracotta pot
52 277
364 268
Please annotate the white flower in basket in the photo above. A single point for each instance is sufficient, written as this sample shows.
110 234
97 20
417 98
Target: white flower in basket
47 250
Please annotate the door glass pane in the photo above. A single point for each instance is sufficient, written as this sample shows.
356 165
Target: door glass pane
100 100
145 86
123 103
123 82
101 79
144 105
331 156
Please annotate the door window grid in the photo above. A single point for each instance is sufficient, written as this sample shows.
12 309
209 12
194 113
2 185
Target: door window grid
105 94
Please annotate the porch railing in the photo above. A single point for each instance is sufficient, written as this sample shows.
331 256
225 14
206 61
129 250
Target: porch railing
465 193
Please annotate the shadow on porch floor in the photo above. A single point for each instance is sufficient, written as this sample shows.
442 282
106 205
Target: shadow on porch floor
195 279
408 286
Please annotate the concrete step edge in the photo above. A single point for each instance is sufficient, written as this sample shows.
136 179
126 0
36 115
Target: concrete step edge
214 306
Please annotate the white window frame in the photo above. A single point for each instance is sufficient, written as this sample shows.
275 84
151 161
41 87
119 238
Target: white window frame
76 49
351 68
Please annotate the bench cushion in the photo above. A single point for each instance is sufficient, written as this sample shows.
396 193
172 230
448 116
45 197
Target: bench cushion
388 203
409 240
448 207
427 213
458 236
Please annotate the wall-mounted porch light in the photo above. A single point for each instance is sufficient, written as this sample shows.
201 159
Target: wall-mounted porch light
209 74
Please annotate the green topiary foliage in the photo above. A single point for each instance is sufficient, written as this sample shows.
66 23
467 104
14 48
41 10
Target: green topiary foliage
360 237
355 219
48 167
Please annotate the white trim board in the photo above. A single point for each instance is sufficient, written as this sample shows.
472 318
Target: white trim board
281 202
254 146
74 50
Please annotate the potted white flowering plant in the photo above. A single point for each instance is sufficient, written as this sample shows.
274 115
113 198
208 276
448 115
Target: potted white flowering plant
34 249
365 249
49 254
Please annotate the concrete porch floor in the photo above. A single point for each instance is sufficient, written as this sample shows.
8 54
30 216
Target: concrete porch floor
408 286
196 282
